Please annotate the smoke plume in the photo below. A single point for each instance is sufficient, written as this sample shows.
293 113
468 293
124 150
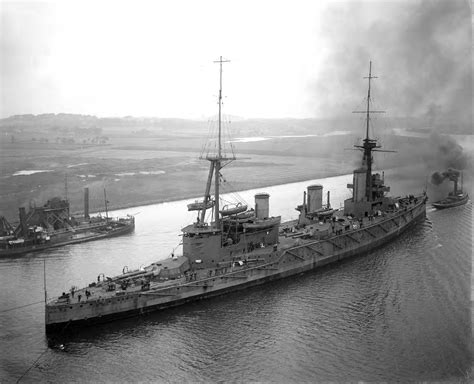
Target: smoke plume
446 155
445 152
421 52
438 177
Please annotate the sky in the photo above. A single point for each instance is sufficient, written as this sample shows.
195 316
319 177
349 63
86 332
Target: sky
296 58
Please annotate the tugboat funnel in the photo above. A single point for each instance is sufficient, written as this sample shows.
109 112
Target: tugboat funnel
86 203
23 224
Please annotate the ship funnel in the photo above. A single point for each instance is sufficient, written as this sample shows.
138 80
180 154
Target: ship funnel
261 205
23 224
86 202
315 197
359 184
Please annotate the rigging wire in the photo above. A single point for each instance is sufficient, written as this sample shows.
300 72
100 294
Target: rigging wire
210 144
359 109
233 192
207 144
32 365
21 306
228 138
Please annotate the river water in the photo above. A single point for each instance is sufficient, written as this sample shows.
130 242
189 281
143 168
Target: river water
399 313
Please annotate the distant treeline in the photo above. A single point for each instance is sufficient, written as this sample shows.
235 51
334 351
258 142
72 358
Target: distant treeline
83 132
87 125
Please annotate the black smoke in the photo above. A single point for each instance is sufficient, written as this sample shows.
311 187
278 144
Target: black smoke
445 152
421 52
438 177
448 156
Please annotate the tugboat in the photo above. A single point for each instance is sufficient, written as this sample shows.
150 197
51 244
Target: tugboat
52 226
456 197
232 252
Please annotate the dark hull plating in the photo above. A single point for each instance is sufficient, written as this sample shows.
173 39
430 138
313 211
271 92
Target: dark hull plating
291 261
67 240
451 204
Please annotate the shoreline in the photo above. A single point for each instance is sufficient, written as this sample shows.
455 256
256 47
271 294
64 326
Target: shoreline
262 178
398 171
186 196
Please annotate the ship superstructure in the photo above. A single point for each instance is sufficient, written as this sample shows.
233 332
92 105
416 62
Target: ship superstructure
244 247
211 245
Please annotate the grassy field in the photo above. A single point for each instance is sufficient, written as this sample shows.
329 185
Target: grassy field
137 169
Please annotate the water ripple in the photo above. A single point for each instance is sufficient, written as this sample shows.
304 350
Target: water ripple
400 313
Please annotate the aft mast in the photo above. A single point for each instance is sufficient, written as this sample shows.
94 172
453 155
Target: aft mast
106 208
65 186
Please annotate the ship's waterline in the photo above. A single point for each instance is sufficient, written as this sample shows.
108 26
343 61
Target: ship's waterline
229 246
399 313
227 253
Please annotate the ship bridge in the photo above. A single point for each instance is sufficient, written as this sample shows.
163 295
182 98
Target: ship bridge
200 229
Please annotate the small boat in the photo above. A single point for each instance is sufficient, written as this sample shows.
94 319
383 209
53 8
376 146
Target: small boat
263 223
321 212
241 217
199 205
245 215
452 201
456 197
233 210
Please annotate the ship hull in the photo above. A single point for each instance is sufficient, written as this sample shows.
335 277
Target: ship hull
309 255
68 239
451 204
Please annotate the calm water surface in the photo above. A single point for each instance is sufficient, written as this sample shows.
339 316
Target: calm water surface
399 313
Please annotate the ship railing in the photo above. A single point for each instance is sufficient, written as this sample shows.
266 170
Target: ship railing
79 228
246 269
397 214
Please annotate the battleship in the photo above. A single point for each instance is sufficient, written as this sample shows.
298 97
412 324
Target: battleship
52 225
233 248
456 197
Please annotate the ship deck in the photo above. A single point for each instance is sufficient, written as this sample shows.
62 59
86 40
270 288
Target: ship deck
290 236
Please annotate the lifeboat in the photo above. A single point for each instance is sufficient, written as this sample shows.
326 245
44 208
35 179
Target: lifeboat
233 210
263 224
199 205
322 212
240 217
